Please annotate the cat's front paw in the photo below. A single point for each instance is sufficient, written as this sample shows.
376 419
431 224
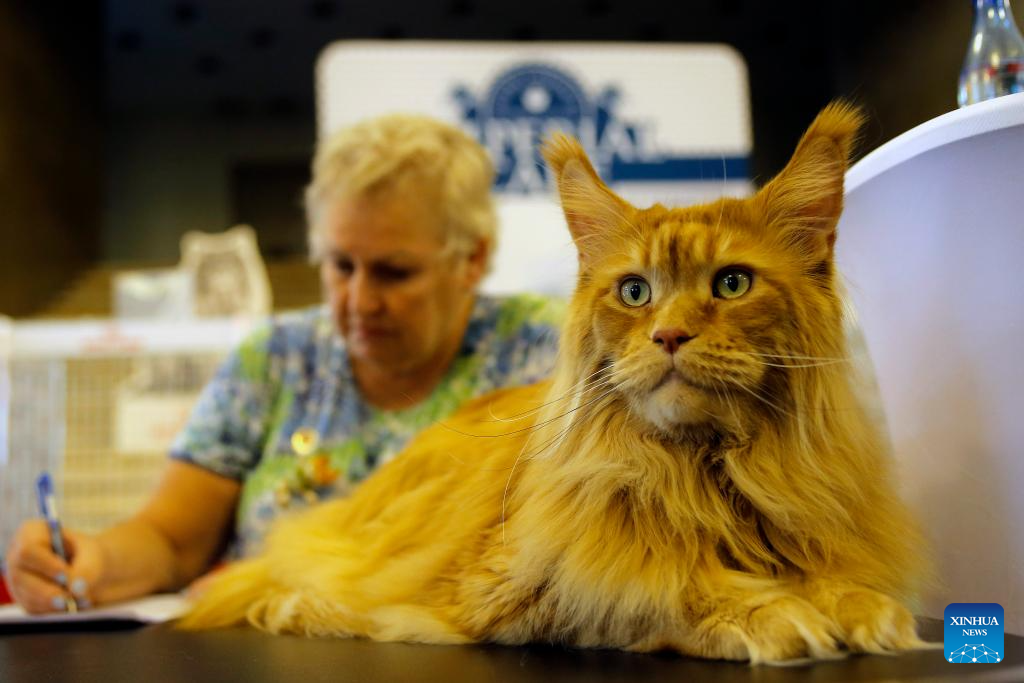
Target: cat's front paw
873 622
783 629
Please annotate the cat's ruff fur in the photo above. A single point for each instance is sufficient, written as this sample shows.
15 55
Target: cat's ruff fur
739 508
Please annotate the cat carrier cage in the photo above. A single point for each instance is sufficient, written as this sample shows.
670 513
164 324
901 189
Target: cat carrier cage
97 403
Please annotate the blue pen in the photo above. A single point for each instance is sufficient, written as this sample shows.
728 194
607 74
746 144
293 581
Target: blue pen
48 509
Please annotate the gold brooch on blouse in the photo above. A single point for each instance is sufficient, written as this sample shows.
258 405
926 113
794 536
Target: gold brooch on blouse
313 469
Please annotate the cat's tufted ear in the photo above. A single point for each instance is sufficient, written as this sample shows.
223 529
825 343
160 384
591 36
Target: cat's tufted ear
804 201
596 215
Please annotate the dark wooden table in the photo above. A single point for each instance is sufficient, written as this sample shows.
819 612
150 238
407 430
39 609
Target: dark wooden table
109 652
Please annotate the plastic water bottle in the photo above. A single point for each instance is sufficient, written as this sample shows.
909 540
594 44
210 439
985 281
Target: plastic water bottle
994 64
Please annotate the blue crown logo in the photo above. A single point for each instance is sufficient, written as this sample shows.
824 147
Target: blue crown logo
530 101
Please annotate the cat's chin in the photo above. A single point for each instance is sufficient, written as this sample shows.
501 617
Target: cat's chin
677 404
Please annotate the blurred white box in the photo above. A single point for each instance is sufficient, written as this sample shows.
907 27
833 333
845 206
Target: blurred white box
165 293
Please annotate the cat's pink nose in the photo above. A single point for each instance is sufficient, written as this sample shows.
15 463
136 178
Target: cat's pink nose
670 340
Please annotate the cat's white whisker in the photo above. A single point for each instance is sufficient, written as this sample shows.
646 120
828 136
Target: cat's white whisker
515 431
573 391
797 357
799 365
732 409
574 422
508 482
723 396
764 400
732 404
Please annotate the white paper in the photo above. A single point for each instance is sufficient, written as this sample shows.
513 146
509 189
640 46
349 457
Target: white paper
149 610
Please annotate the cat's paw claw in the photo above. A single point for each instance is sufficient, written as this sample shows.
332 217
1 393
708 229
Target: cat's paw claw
787 631
875 623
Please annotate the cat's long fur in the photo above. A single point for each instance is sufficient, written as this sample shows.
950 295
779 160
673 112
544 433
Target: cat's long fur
740 507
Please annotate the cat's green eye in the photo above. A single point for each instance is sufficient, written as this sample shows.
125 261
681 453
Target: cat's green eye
634 291
732 283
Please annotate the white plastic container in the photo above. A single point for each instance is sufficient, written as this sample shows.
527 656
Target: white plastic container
932 245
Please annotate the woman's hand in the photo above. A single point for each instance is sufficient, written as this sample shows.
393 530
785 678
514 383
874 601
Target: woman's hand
40 580
176 536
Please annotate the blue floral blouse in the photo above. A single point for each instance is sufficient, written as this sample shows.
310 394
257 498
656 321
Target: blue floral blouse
291 378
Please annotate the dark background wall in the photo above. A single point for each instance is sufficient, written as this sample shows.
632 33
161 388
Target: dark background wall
125 123
50 144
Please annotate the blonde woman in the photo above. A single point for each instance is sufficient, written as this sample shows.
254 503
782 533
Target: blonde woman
402 226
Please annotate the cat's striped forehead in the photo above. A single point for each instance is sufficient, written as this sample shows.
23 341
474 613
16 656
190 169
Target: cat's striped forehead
684 244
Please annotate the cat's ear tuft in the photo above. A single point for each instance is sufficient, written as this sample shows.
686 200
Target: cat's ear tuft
805 200
594 213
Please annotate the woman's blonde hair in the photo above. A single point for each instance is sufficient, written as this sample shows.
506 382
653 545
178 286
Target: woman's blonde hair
380 155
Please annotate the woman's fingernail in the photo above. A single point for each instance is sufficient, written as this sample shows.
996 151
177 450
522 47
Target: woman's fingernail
78 586
62 579
59 603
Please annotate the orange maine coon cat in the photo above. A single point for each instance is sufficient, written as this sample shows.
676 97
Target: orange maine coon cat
696 475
